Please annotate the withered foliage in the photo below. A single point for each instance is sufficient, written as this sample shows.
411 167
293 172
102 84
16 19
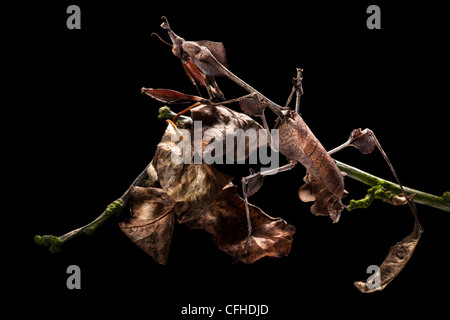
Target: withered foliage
191 186
151 223
400 253
203 198
226 221
222 124
395 261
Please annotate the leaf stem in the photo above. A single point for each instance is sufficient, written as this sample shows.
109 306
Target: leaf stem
442 202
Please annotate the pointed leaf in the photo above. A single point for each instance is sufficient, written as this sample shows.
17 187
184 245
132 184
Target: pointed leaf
172 96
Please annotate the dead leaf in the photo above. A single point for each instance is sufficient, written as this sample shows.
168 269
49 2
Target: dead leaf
192 186
151 223
397 258
325 183
222 123
227 222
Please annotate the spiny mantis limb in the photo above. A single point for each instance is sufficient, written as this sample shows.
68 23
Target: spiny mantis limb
114 208
297 86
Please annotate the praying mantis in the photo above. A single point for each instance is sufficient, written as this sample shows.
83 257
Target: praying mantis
205 60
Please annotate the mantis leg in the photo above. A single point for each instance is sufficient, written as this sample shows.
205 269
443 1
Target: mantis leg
250 185
174 120
366 141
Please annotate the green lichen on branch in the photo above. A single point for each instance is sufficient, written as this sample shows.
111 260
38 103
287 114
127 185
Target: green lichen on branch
377 192
53 242
446 198
361 203
442 202
114 208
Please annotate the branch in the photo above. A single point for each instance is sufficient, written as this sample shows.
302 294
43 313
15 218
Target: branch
442 202
385 190
114 208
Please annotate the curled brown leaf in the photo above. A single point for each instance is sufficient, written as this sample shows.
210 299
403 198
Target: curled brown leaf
192 186
397 258
227 222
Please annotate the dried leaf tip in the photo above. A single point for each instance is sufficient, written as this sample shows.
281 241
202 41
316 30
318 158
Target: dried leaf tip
396 260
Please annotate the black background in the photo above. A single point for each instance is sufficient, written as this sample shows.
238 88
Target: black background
89 132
